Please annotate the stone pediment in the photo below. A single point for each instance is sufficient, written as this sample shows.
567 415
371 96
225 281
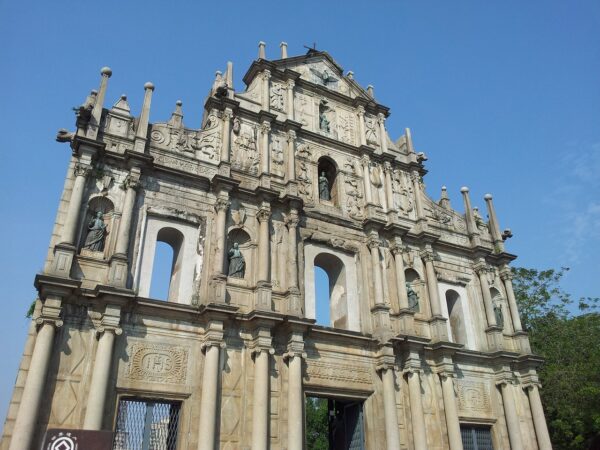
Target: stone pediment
321 69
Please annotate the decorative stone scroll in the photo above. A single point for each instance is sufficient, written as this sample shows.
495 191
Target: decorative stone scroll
157 363
473 396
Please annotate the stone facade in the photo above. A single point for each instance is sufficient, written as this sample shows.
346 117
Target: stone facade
239 353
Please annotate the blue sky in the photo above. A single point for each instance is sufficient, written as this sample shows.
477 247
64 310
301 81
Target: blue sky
502 97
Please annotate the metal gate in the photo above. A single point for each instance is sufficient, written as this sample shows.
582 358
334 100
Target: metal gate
476 438
146 425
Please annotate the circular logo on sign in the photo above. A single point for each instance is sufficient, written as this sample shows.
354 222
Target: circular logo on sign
63 441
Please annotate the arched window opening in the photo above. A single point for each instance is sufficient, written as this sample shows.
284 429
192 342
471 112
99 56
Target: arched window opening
456 317
336 298
414 289
327 175
322 297
166 268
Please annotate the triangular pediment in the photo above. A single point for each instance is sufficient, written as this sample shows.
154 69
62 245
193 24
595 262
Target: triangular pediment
321 69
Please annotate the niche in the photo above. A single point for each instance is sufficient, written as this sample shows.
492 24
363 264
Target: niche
238 254
456 317
416 284
327 170
96 237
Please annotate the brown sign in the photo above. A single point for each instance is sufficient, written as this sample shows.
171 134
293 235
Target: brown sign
64 439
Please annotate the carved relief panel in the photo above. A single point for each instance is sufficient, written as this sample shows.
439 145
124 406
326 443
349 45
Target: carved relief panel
156 363
244 147
278 144
473 398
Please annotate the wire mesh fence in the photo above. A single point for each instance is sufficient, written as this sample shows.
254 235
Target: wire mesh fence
146 425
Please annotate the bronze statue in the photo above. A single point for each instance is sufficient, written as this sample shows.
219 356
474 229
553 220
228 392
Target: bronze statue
237 263
96 233
499 315
324 193
413 298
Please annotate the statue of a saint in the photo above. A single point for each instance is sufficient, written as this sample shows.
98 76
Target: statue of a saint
499 315
324 193
96 233
237 263
413 298
323 120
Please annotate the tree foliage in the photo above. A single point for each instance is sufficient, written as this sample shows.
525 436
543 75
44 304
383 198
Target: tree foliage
569 343
317 428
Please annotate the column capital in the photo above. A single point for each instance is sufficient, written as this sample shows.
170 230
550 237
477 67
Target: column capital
386 359
397 247
365 161
481 267
132 181
380 118
290 84
290 135
265 127
387 167
427 253
292 219
107 320
360 110
373 240
506 273
266 74
263 214
82 170
415 175
227 114
50 313
222 204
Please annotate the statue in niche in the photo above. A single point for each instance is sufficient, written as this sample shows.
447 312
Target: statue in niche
323 120
413 298
324 193
237 263
499 315
96 233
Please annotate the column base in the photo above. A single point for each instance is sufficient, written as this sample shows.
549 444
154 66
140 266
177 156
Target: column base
439 328
218 288
381 322
263 296
495 338
406 318
522 339
294 303
117 272
291 188
63 259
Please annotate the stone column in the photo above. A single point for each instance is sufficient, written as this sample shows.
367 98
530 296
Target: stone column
452 423
290 99
226 138
221 206
373 244
211 347
397 251
139 144
494 226
292 225
367 179
389 192
416 410
291 155
26 421
266 79
107 330
506 276
539 421
470 218
294 357
416 179
432 286
510 413
131 184
263 215
69 230
385 366
265 156
481 269
261 352
96 115
382 133
361 125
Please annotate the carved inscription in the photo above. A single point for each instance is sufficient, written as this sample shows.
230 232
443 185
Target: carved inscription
339 373
157 363
473 396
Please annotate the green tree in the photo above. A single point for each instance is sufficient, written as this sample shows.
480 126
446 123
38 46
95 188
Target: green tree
317 425
570 376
